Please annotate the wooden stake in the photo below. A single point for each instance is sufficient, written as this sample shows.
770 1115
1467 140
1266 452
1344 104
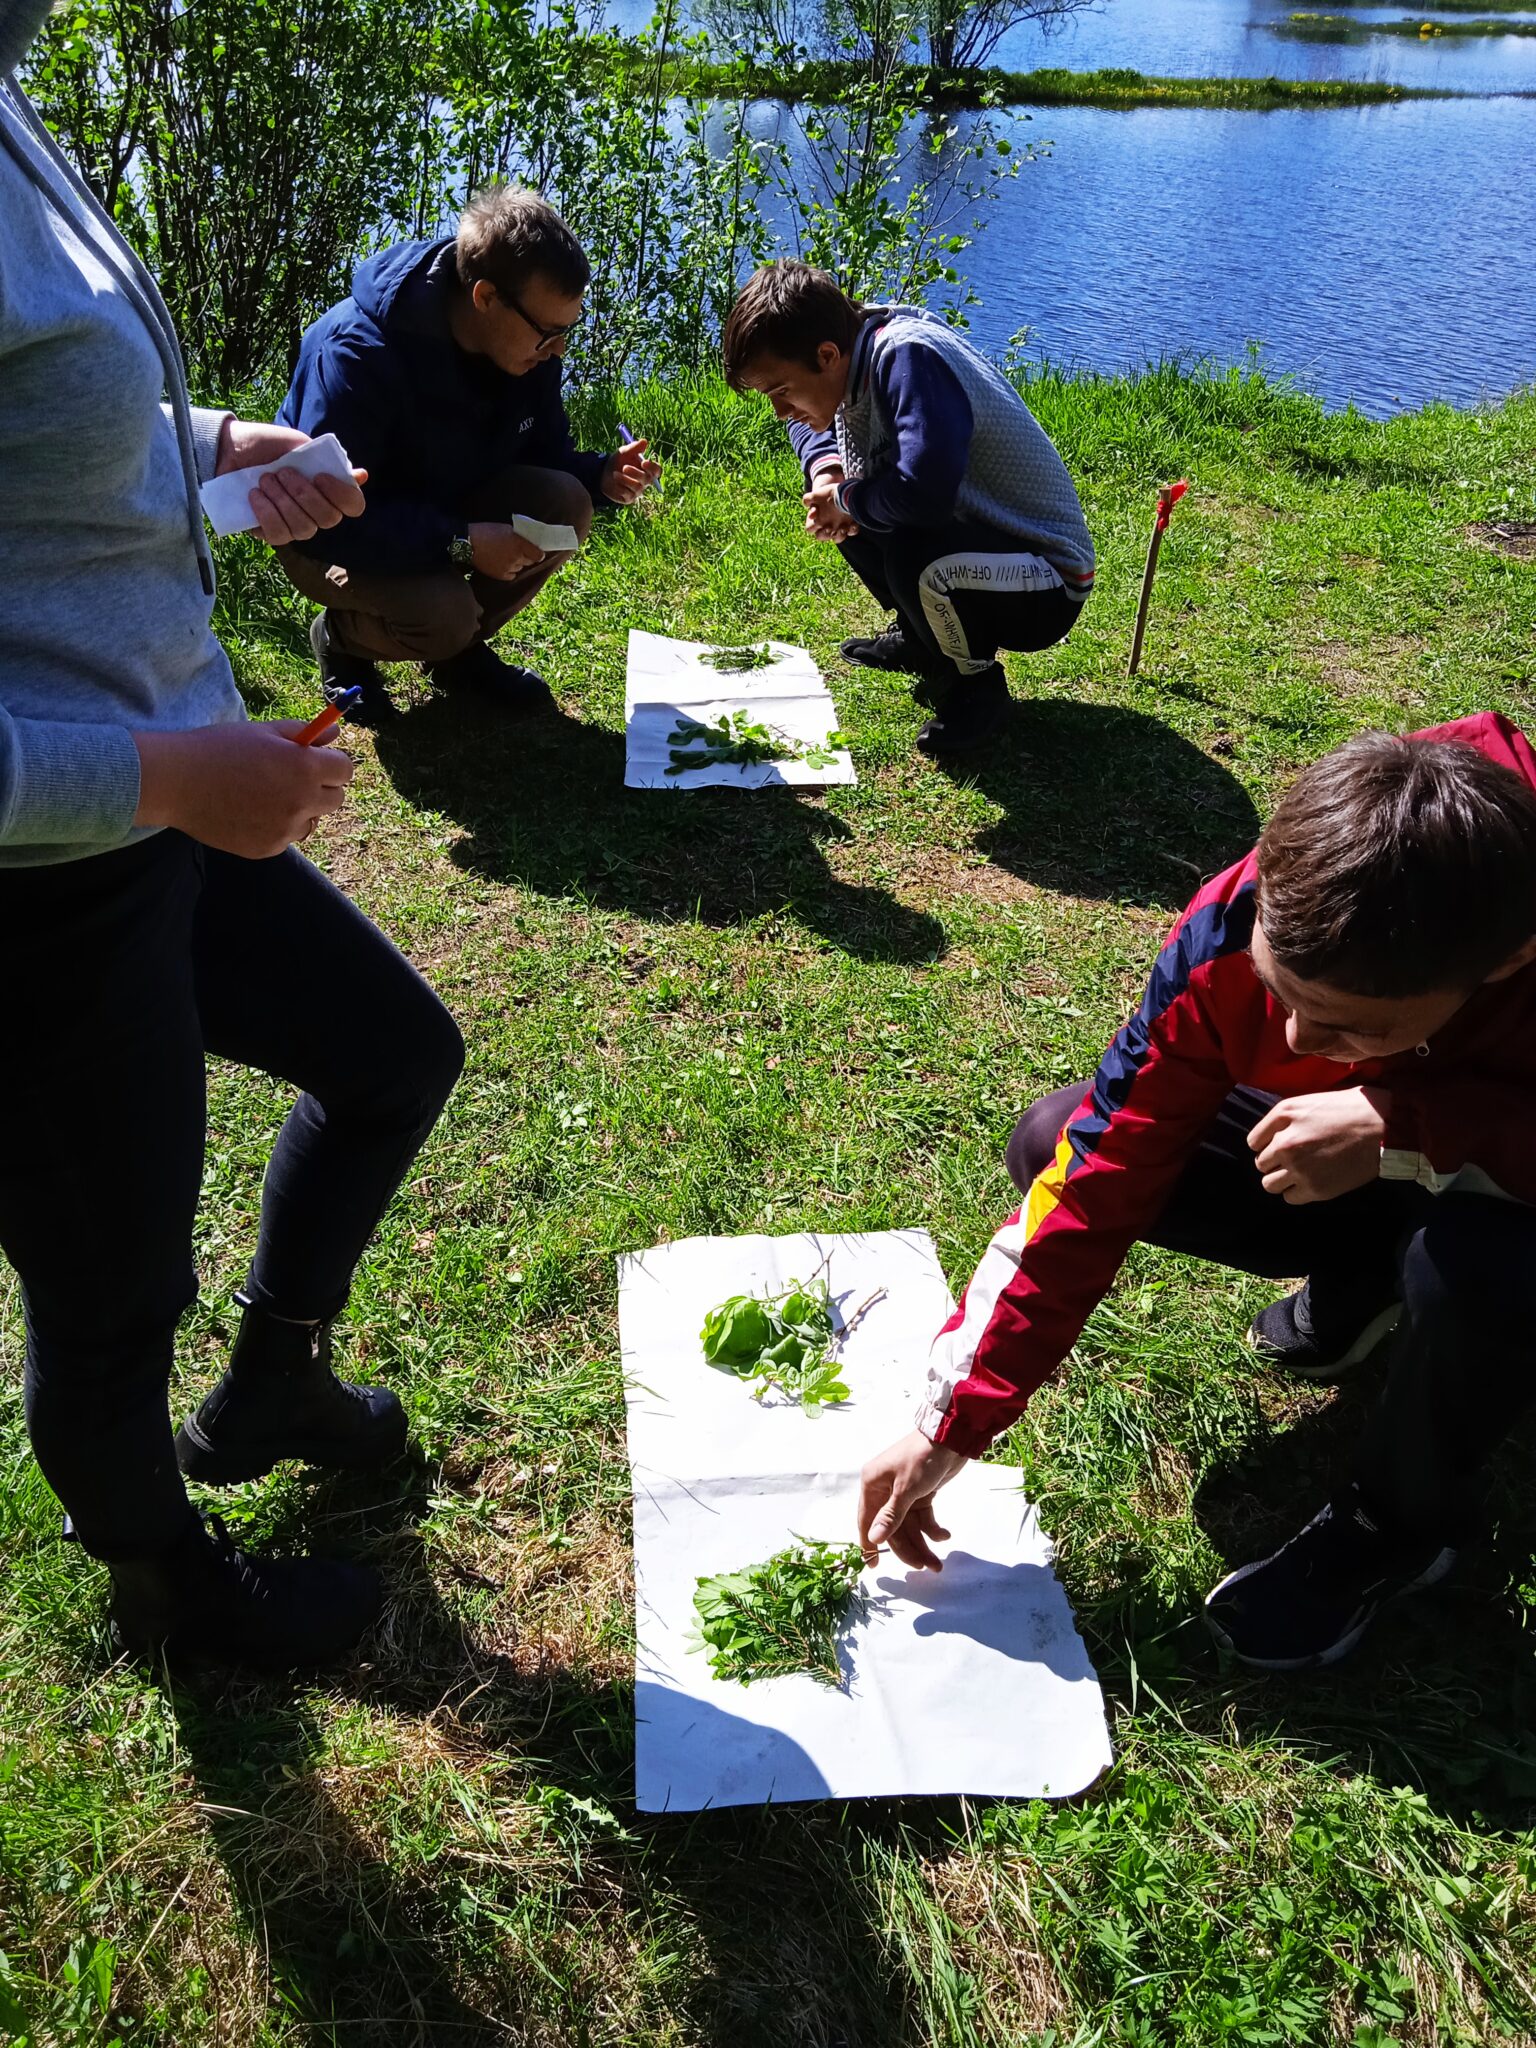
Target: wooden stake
1167 498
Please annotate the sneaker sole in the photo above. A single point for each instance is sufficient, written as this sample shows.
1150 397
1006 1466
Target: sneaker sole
1376 1331
205 1462
1335 1652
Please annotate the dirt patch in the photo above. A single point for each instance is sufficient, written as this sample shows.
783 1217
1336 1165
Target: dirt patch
1505 536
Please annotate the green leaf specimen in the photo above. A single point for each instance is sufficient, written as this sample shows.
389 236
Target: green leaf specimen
735 739
781 1616
786 1341
737 660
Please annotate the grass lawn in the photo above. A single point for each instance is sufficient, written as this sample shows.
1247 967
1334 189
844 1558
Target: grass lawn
712 1012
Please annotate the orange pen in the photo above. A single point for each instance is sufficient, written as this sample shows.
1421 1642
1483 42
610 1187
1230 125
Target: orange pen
320 725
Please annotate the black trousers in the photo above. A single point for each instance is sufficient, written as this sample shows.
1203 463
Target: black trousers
1461 1367
964 590
124 971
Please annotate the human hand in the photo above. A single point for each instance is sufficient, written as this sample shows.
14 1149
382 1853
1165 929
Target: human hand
825 519
627 473
285 505
896 1492
501 551
244 788
1310 1148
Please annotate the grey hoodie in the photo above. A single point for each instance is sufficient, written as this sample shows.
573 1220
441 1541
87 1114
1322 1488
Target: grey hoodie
106 583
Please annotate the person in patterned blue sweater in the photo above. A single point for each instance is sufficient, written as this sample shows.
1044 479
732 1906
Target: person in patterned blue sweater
922 463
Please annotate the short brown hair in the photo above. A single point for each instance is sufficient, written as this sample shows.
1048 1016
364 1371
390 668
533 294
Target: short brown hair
787 309
507 235
1399 867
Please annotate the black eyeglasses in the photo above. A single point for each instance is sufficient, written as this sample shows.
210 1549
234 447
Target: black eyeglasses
548 336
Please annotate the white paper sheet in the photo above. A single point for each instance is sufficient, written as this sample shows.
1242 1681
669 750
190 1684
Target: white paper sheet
974 1680
226 499
550 535
665 679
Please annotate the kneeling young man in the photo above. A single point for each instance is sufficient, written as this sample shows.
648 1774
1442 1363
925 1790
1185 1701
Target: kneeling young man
440 375
931 474
1333 1072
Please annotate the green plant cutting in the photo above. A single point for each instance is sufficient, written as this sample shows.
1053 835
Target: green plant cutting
735 739
787 1340
737 661
781 1616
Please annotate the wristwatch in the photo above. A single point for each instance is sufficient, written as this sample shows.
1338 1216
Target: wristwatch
461 550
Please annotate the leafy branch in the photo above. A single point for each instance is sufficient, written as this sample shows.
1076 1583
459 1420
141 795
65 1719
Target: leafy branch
782 1616
735 739
738 660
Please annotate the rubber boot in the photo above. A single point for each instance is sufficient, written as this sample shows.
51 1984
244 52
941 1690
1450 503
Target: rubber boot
280 1399
202 1600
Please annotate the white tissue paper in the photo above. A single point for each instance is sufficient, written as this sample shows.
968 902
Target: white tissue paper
973 1680
227 499
665 679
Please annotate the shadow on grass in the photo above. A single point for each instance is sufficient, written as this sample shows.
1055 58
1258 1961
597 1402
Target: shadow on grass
544 805
1105 802
1442 1693
517 1927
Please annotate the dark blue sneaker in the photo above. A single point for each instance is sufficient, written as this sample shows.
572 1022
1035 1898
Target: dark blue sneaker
971 714
1323 1350
1311 1602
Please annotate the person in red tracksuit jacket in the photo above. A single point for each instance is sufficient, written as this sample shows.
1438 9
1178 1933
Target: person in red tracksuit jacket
1333 1072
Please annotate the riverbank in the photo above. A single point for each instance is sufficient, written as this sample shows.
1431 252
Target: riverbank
829 84
1347 28
711 1013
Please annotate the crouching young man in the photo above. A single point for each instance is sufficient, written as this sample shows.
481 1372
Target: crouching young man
440 375
933 477
1332 1073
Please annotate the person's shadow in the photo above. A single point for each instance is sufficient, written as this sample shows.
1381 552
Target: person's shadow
1442 1692
543 804
1019 1610
1105 802
506 1894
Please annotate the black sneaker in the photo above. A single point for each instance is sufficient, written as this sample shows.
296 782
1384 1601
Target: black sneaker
280 1399
1311 1602
892 648
479 667
972 713
205 1600
341 673
1286 1334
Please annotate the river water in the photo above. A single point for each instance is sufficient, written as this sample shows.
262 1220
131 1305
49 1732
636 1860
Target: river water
1380 255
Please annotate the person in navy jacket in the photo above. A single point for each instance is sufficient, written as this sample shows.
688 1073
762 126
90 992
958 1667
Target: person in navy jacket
440 375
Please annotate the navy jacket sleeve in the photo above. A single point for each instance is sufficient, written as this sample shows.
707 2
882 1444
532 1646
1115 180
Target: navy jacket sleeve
931 422
813 445
550 446
351 389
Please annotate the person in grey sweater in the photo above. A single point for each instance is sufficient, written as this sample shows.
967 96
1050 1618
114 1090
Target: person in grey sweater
154 910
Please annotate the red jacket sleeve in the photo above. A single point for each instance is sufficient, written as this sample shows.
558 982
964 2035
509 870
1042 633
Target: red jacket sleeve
1156 1092
1480 1134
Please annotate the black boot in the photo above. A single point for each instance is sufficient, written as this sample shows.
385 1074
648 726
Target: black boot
203 1599
972 713
341 673
480 669
279 1399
